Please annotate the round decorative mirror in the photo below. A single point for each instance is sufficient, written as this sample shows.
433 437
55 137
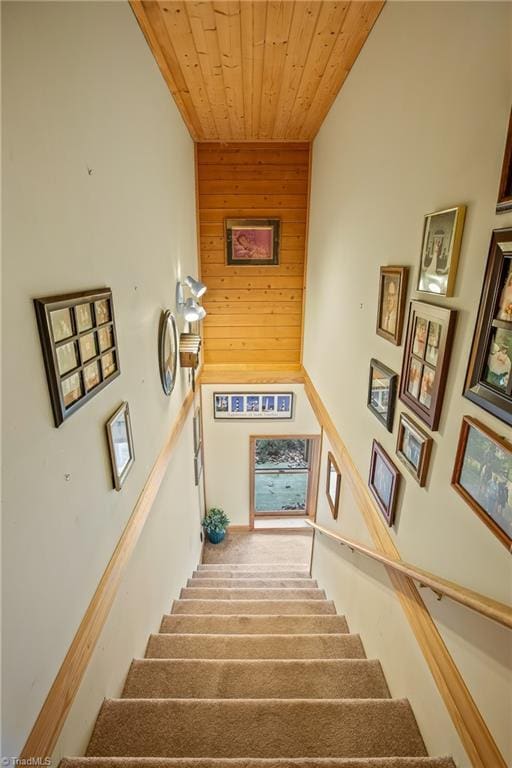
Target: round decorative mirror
168 351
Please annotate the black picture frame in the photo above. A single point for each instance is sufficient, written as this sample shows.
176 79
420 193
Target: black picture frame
488 388
224 406
382 403
252 225
384 489
79 344
505 189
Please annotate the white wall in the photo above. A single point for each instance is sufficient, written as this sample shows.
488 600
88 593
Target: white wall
81 90
419 125
227 446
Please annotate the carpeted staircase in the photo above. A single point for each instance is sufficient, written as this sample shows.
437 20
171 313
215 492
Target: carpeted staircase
253 668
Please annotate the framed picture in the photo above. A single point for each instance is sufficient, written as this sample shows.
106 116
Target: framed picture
120 443
426 360
413 448
488 379
252 242
333 486
198 432
79 344
168 351
384 482
392 292
249 405
482 475
198 466
505 190
382 387
440 248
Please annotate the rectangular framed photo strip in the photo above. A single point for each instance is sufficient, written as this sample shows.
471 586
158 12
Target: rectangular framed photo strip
382 386
333 485
198 466
440 249
384 482
198 430
426 360
120 443
391 307
253 405
79 344
489 375
505 190
482 476
413 448
252 242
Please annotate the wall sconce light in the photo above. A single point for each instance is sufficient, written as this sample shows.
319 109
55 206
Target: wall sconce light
189 308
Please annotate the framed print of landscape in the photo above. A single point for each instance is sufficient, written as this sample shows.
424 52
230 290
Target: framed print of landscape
482 475
253 405
505 190
426 360
391 308
489 374
440 248
252 242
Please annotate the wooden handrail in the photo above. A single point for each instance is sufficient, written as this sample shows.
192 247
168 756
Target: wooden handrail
486 606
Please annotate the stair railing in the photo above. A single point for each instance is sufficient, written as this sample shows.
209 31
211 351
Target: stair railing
486 606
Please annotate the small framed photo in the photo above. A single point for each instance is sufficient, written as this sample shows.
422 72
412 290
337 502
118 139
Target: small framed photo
505 190
198 430
391 308
482 475
333 486
252 242
440 248
120 443
253 405
382 386
198 466
413 448
384 482
426 360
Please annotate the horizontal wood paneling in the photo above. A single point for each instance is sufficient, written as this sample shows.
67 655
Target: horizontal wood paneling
254 313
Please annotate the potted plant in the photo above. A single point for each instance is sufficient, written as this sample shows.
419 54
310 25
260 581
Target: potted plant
215 523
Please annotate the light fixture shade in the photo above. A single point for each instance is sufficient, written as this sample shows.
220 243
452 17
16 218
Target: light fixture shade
192 311
197 288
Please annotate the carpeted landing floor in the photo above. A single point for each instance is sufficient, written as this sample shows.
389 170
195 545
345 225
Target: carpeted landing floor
254 668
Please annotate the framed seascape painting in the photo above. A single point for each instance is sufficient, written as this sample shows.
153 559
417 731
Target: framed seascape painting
120 443
426 360
440 248
79 344
257 405
413 448
505 190
382 385
392 292
384 482
333 485
482 475
488 378
252 242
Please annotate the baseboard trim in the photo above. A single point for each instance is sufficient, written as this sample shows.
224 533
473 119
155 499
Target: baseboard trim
474 734
52 716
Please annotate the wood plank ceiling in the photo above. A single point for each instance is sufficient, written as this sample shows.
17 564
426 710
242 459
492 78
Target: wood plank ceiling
255 70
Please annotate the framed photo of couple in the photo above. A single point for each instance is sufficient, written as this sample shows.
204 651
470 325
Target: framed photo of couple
252 242
392 293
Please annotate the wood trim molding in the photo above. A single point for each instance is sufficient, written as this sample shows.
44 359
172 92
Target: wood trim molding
52 716
251 374
474 734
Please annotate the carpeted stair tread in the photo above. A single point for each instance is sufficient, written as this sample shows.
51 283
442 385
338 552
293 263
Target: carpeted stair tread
255 679
256 728
253 566
330 646
253 583
284 762
248 574
198 593
253 606
255 624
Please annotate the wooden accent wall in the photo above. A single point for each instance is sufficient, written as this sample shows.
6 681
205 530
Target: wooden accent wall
254 313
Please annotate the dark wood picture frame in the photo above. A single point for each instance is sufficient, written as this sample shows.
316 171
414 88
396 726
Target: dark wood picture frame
392 379
491 326
119 475
505 189
252 224
168 351
418 470
332 465
393 331
79 343
500 496
387 506
426 360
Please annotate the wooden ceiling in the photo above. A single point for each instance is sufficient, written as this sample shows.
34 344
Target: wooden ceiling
255 70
